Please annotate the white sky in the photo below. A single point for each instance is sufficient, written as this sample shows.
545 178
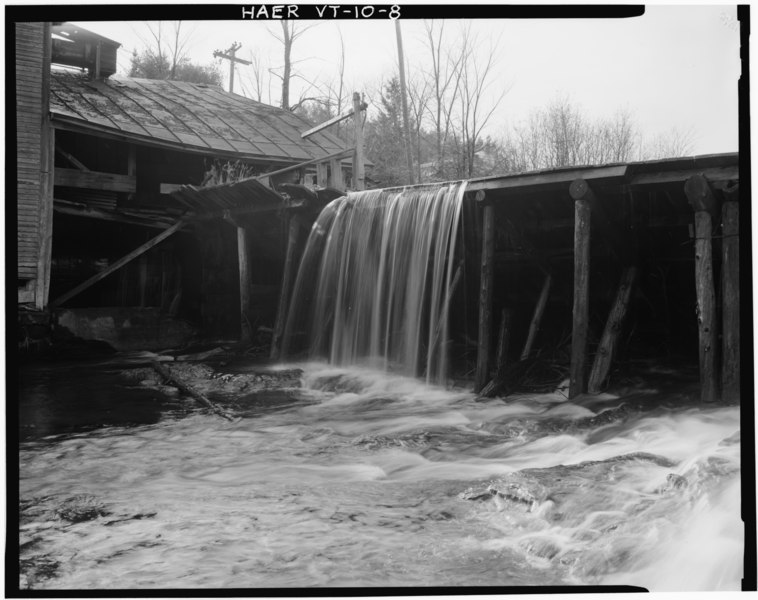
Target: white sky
675 67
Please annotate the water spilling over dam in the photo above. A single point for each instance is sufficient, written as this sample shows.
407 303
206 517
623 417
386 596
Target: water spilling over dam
375 280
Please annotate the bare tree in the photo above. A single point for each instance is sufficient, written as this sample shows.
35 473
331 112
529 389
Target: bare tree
475 112
560 135
445 85
290 33
674 143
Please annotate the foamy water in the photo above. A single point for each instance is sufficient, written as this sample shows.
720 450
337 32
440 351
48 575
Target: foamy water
375 480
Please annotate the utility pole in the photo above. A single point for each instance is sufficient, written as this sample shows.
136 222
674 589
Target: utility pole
404 94
229 55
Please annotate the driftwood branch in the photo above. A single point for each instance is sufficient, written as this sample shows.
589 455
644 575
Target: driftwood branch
187 389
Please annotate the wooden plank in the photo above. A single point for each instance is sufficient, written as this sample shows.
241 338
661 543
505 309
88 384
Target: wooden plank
246 329
539 309
711 174
70 208
328 123
118 264
359 172
312 161
730 269
608 343
170 188
72 159
485 298
113 182
501 356
290 267
706 306
550 178
580 315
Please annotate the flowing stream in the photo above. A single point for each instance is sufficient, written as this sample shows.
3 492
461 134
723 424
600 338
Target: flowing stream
363 478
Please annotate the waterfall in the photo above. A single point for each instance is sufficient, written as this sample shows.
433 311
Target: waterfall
374 283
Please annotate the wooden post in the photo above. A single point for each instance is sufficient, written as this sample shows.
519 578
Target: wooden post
118 264
359 173
485 298
581 296
703 202
613 326
335 174
230 55
321 174
287 277
501 357
131 166
539 310
143 280
246 333
730 268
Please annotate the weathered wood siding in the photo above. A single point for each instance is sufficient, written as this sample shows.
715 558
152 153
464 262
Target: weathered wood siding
33 140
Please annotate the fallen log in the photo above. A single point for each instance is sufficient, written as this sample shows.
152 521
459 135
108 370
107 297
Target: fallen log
173 380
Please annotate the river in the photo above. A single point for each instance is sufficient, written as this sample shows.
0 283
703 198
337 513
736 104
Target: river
362 478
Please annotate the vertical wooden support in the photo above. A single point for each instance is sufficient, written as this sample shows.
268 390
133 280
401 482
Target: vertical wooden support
501 356
703 203
246 333
284 295
359 172
539 310
613 325
143 280
335 174
485 297
131 165
730 268
581 296
321 174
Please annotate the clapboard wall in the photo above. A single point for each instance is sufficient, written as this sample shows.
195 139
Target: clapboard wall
34 143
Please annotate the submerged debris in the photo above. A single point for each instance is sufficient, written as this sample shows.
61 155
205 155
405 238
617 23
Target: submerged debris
82 507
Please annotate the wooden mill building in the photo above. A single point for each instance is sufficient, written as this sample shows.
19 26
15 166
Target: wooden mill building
106 237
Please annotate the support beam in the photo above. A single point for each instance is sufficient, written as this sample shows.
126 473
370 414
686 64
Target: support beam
321 174
582 215
485 297
618 239
608 343
704 203
333 121
359 169
335 175
501 356
82 210
290 267
94 180
246 329
730 268
118 264
539 310
706 305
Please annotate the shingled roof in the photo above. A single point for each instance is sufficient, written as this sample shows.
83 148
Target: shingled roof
186 116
